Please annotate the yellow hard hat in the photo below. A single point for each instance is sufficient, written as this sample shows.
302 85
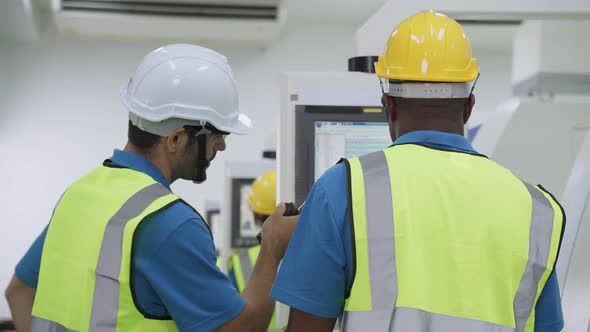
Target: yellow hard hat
428 47
263 197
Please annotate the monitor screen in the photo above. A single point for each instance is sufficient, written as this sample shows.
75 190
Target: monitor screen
336 140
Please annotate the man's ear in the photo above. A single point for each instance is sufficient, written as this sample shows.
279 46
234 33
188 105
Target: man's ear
176 140
391 109
468 107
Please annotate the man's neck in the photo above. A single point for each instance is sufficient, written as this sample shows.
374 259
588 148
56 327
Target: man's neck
153 157
442 126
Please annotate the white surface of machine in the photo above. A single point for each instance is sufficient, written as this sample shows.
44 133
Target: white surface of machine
535 141
576 240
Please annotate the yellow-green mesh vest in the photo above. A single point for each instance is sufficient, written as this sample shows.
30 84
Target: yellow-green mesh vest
84 279
242 264
446 241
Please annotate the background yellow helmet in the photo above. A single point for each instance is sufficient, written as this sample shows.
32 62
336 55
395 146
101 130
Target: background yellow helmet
428 47
263 197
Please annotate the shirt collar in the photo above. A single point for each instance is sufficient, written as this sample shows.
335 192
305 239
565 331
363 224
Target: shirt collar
140 164
436 139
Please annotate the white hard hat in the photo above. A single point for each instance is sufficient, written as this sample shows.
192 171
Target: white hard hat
183 84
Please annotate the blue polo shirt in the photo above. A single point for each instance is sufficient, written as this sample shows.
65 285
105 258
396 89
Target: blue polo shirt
175 265
316 273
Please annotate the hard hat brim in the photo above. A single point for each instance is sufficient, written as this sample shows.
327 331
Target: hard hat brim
241 126
469 75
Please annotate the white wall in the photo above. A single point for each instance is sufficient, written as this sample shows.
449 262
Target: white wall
60 116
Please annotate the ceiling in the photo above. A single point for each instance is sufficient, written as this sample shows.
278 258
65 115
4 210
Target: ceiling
358 10
17 23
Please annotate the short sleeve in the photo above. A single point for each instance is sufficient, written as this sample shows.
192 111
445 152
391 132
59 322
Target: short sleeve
314 275
27 269
184 274
548 314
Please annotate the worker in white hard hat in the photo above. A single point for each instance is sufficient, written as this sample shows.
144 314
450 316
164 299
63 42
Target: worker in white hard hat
122 252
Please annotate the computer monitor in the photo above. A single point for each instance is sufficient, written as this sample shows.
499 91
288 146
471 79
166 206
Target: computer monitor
243 230
325 134
212 217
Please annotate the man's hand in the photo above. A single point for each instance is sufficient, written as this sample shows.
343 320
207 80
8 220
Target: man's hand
277 230
276 233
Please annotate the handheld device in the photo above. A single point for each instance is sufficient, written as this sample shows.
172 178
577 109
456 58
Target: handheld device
290 210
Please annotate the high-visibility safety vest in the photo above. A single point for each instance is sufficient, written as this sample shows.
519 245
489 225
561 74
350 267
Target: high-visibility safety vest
85 280
242 264
446 241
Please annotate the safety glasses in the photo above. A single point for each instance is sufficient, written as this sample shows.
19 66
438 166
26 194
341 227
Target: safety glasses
206 130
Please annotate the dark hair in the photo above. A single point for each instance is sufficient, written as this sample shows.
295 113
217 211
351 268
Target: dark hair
141 139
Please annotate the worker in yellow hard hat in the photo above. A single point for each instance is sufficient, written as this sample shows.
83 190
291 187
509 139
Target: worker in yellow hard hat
426 235
262 202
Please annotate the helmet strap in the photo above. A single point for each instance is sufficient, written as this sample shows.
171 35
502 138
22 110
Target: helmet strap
202 161
472 88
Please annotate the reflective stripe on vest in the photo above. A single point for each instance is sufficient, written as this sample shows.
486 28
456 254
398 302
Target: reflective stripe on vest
40 324
111 307
539 248
106 289
374 307
242 265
